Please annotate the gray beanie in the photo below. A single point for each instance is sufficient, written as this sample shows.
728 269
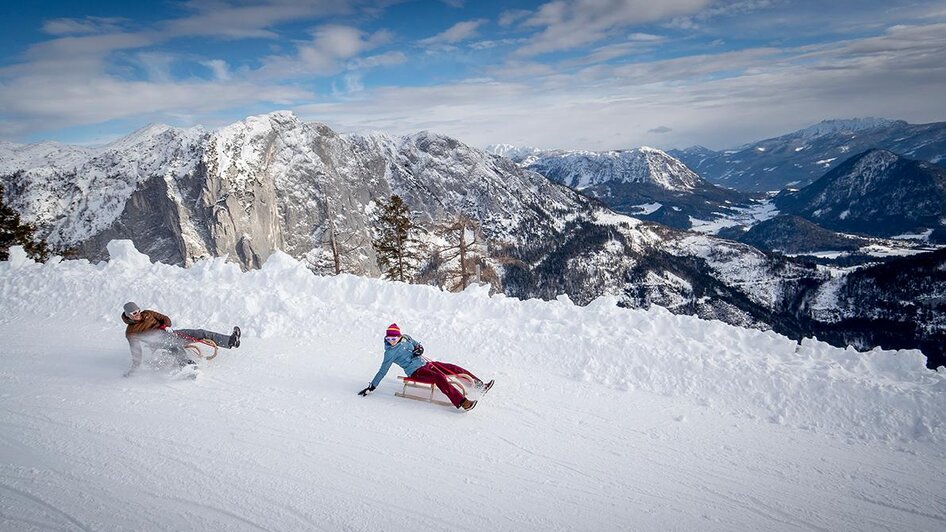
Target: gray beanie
130 308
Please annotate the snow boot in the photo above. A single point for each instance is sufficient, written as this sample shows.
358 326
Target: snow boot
234 338
487 386
467 404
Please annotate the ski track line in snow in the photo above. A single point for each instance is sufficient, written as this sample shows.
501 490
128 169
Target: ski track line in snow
40 502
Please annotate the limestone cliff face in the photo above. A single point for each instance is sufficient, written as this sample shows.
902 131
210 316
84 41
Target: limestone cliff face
273 182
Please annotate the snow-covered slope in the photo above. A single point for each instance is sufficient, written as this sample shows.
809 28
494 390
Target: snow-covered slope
601 416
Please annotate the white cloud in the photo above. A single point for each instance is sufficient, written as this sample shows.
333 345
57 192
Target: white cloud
485 45
718 100
83 26
325 53
511 16
157 65
40 105
460 31
219 68
380 60
645 37
568 24
250 19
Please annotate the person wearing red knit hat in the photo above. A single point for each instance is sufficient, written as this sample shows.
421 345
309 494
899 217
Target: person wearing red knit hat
407 353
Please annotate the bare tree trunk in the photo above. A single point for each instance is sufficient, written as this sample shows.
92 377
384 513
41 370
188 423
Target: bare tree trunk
464 272
336 256
400 263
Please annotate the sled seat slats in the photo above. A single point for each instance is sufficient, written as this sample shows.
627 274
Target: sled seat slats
413 383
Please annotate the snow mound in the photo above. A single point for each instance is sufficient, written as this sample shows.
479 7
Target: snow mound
875 396
122 253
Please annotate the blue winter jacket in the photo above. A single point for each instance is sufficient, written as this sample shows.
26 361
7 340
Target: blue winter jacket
402 354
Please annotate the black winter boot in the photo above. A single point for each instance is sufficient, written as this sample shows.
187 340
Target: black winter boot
234 338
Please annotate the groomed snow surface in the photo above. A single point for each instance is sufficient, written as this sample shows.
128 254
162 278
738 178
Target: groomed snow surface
601 419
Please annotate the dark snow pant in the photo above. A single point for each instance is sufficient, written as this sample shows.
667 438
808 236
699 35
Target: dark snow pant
222 340
436 373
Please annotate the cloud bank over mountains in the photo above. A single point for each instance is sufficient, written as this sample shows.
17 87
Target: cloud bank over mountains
592 74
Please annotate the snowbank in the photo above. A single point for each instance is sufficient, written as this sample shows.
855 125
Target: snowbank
880 395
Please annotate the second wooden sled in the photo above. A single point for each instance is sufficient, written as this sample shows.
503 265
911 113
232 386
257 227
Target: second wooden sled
460 381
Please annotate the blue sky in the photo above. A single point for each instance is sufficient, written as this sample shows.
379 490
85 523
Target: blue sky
589 74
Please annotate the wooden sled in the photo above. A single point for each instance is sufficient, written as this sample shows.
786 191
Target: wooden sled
460 381
206 349
197 349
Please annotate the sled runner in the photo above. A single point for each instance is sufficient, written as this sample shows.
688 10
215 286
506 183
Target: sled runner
196 349
202 349
462 382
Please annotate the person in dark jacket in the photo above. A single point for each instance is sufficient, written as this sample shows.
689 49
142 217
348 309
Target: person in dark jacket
407 353
152 329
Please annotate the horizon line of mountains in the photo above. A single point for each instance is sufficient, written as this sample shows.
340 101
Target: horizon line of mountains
857 234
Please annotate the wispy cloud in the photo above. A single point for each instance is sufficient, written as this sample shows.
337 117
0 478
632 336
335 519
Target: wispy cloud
511 16
252 19
219 67
568 24
324 53
460 31
84 26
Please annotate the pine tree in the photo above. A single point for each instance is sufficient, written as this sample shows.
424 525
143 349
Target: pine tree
15 233
394 242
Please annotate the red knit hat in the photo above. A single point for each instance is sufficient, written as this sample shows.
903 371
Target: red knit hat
393 330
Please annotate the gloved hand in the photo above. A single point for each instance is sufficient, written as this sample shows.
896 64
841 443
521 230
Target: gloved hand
366 391
418 350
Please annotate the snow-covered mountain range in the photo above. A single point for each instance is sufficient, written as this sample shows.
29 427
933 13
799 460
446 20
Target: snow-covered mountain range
877 193
644 182
273 182
801 157
584 169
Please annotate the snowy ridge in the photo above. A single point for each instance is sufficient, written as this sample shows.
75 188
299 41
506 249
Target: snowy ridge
509 151
801 157
880 395
14 157
851 125
77 192
583 169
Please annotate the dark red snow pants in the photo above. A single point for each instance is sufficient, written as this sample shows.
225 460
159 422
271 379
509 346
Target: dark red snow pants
436 373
